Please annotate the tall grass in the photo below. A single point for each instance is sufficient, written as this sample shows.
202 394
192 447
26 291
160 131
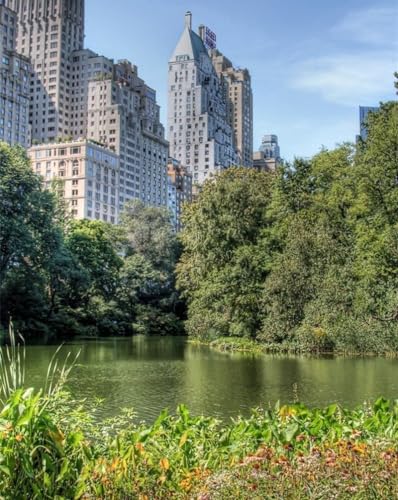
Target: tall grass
12 366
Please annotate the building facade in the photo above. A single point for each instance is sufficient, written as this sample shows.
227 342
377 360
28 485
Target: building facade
84 174
48 32
179 190
263 163
269 156
14 85
270 147
199 130
76 94
238 94
124 116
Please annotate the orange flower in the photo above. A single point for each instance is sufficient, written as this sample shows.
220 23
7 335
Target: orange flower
19 437
139 447
164 464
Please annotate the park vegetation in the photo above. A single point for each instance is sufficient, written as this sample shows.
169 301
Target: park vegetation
50 448
61 277
303 259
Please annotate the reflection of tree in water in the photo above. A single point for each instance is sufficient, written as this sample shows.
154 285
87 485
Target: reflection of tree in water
151 373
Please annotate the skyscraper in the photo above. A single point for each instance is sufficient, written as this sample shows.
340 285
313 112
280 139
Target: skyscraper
124 116
77 94
269 156
199 131
270 147
179 190
14 84
48 32
239 96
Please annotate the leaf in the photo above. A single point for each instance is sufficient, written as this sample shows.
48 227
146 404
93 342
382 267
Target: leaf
183 439
291 431
26 417
5 470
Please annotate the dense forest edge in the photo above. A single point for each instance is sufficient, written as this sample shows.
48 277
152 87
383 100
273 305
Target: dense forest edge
302 259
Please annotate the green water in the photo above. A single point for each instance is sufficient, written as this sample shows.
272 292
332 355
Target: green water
149 374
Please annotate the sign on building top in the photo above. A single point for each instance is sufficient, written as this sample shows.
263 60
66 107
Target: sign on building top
210 39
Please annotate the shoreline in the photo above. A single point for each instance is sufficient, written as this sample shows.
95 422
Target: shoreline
249 346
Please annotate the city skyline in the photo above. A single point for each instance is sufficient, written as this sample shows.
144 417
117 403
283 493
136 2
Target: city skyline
308 80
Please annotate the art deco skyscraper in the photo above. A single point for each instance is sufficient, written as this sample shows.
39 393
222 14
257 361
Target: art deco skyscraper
48 32
238 92
199 131
14 83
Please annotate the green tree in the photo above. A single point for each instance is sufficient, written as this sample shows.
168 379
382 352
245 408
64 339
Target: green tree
222 268
31 244
147 276
89 243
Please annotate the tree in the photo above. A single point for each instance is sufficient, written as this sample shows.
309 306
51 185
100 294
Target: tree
26 213
149 232
147 276
222 268
30 242
89 243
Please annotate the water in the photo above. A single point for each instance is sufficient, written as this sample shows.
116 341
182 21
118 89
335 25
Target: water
149 374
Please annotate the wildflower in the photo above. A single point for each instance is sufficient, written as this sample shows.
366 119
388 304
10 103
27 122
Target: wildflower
287 411
360 448
19 437
139 447
164 464
114 464
185 484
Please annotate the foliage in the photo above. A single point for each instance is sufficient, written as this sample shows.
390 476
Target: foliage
62 277
46 452
305 258
223 265
343 470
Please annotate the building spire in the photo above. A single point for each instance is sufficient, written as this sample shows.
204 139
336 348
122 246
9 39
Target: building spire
188 20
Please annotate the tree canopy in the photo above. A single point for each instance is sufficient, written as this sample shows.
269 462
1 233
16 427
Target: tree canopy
305 257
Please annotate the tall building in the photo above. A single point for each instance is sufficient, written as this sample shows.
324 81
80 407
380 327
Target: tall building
239 96
124 116
269 156
86 175
14 86
363 115
264 163
179 190
48 32
76 93
270 147
199 130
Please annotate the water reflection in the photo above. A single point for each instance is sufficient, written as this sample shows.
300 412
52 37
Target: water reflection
150 374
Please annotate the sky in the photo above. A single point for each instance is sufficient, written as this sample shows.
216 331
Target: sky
312 62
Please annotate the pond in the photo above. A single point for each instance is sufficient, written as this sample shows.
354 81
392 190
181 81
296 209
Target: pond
152 373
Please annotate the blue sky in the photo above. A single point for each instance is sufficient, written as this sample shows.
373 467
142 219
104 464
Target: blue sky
312 62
